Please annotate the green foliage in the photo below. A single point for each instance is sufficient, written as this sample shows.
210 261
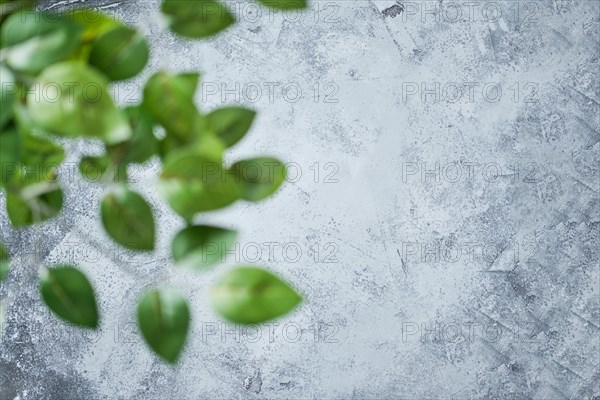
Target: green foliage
71 99
200 246
34 40
55 75
69 294
164 319
4 261
249 295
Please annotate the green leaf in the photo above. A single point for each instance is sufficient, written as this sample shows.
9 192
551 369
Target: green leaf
196 18
285 4
8 91
71 99
69 294
43 156
231 123
259 178
35 40
250 295
33 204
142 145
128 219
120 53
93 168
94 24
4 262
164 318
200 246
189 81
170 101
193 182
10 154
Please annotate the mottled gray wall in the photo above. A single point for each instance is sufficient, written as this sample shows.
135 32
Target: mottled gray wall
442 216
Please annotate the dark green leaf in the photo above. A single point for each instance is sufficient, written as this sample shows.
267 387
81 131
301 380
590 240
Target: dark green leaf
169 100
128 219
198 247
231 123
164 318
192 183
285 4
71 99
196 18
69 294
4 262
35 40
250 295
8 91
120 53
259 178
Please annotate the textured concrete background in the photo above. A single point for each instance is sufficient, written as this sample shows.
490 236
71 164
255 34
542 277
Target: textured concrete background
442 216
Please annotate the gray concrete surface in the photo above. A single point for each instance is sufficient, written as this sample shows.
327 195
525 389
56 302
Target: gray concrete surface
442 216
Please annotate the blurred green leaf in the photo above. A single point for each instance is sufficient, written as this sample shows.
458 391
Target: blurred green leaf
196 18
142 145
69 294
8 7
128 219
170 101
285 4
120 53
231 123
34 203
250 295
194 183
8 87
164 318
10 154
259 178
200 246
35 40
4 262
93 168
71 99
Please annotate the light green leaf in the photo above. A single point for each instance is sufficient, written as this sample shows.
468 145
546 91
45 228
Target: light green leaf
200 246
259 178
231 123
69 294
250 295
71 99
8 91
170 102
4 262
35 40
120 53
192 183
196 18
164 318
285 4
128 219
